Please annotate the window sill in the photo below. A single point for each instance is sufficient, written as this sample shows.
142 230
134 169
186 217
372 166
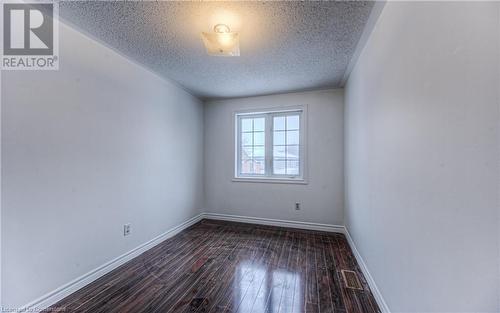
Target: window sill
298 181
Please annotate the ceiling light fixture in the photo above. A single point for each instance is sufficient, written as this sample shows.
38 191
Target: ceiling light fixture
222 42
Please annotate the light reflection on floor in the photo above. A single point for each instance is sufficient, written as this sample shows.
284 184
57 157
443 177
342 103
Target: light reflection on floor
259 289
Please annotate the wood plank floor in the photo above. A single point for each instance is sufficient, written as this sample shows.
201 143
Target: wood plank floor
216 266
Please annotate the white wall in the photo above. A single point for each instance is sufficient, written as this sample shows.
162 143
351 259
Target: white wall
99 143
422 153
321 199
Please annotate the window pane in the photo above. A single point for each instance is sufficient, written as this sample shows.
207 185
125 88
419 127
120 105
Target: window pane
259 124
279 123
259 138
259 166
292 137
279 167
246 153
279 138
279 152
258 151
292 122
292 168
246 166
246 139
292 152
246 124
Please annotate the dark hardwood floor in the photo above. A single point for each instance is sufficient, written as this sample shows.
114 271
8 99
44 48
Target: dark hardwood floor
216 266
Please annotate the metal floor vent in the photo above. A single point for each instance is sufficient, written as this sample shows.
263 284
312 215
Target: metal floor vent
351 280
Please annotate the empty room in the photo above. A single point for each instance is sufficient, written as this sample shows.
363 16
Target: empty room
250 156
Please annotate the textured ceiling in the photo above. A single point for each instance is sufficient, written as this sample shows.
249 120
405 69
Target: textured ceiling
285 46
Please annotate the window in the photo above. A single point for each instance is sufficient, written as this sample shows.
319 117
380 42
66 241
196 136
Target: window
270 145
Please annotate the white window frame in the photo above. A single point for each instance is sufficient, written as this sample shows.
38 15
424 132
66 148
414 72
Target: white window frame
269 177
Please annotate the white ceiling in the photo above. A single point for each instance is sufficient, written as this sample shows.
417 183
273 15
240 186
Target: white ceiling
285 46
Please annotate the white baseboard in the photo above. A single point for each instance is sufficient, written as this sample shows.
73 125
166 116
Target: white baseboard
60 293
275 222
371 282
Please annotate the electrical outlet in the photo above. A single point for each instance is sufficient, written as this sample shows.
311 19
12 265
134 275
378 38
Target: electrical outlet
297 206
126 229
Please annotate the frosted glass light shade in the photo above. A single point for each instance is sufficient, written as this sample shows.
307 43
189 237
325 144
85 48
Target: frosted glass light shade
222 44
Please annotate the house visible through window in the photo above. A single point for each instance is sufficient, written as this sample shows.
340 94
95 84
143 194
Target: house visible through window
270 145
